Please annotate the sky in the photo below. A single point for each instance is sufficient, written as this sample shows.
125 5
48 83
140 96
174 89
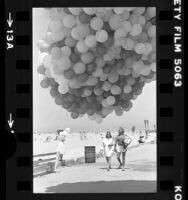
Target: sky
48 117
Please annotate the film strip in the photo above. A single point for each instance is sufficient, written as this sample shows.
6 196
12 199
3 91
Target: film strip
170 98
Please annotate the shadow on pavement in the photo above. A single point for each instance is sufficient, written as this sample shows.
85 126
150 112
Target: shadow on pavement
105 168
143 166
129 186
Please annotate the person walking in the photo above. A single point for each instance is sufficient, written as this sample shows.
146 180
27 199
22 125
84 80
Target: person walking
85 135
142 138
108 148
60 151
121 143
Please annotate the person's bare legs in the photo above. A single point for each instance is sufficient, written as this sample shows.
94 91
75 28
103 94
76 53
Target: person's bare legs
106 159
123 159
56 161
109 162
119 160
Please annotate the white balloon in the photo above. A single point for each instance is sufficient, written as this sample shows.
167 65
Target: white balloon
153 66
151 12
42 56
110 100
73 83
69 21
106 86
92 117
119 10
104 103
152 31
118 111
131 80
139 48
119 33
113 77
64 62
98 72
42 44
92 81
55 25
103 77
47 61
101 36
79 68
136 29
47 73
66 51
115 90
89 11
115 21
58 35
98 91
138 66
63 89
146 71
99 120
87 57
75 11
96 23
87 92
148 48
127 26
127 89
81 46
91 41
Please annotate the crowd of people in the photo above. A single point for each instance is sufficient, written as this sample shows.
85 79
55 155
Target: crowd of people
110 144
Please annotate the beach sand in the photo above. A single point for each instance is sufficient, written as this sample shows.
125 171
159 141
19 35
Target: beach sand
74 145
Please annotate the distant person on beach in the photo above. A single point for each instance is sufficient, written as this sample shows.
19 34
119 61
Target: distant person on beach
108 148
121 143
85 135
81 135
142 138
61 148
58 132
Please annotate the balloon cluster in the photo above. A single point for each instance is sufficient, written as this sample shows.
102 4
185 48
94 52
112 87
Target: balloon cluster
96 60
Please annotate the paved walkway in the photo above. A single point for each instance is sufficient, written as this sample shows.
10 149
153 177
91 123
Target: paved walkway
139 176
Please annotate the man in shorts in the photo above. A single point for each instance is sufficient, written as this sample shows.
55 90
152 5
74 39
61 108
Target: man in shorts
121 143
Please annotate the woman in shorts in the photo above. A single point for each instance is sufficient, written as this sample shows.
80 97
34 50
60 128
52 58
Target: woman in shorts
108 148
